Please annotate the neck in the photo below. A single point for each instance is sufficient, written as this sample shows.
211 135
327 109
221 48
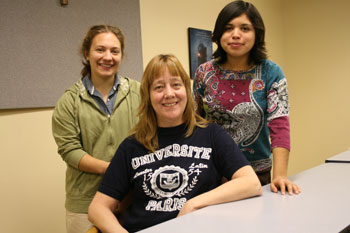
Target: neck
237 64
103 85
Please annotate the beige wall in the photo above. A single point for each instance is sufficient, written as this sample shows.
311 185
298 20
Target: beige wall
31 175
309 39
164 25
316 58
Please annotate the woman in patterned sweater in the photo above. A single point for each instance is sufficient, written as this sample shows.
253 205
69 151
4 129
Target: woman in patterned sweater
245 93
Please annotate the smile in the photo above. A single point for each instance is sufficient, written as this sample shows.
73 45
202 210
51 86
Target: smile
105 65
235 44
170 104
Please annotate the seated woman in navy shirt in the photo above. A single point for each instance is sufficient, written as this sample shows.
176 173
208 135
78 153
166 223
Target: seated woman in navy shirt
173 161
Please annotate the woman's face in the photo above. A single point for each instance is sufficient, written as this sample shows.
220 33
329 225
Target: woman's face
105 55
238 38
169 99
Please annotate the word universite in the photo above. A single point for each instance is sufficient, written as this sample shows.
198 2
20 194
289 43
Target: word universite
174 150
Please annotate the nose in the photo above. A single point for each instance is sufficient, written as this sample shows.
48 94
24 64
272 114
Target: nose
236 33
107 55
168 92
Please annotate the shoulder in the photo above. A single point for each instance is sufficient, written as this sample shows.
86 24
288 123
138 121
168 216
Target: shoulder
66 106
271 67
72 93
129 84
130 143
220 140
212 128
207 70
271 72
131 148
207 66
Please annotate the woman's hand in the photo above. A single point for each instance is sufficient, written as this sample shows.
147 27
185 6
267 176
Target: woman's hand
244 184
284 184
279 178
101 214
188 207
92 165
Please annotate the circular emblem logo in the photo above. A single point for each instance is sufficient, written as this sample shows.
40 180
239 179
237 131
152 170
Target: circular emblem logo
169 180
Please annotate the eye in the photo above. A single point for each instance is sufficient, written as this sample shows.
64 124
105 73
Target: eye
245 28
177 84
99 49
158 87
115 52
228 28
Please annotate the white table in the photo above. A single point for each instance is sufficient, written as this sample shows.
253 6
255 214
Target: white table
322 206
343 157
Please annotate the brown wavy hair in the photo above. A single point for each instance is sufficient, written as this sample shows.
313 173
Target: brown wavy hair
145 130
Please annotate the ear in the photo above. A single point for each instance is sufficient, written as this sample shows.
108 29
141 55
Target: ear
86 56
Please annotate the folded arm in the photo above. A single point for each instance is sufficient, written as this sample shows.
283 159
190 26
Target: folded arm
67 134
102 214
244 184
90 164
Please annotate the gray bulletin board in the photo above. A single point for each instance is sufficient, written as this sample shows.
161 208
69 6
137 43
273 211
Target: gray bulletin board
40 40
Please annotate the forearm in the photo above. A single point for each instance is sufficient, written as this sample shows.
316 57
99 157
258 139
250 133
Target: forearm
280 167
92 165
280 161
102 216
233 190
238 188
104 219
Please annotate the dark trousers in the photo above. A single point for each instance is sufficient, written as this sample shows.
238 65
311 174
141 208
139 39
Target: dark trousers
264 176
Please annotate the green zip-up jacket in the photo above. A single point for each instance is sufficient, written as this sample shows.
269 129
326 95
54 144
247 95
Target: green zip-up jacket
80 127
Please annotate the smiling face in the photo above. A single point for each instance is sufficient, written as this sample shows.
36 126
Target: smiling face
168 98
104 56
238 38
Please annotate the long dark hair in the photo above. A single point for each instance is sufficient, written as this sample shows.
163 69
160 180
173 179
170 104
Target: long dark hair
232 10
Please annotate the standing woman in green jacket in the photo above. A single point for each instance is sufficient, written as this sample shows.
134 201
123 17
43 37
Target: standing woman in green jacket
92 118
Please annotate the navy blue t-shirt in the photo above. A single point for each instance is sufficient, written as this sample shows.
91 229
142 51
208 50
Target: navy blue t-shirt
162 182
